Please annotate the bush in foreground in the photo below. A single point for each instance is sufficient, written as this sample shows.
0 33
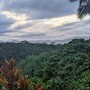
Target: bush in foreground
12 79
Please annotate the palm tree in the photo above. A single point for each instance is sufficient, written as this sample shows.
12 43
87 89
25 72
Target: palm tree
84 7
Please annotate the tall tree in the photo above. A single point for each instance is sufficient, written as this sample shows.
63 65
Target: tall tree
84 7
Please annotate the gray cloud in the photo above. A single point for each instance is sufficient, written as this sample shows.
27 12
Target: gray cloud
5 24
40 29
79 29
62 33
38 9
75 26
28 35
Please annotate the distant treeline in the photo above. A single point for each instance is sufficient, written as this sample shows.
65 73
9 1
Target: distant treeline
21 50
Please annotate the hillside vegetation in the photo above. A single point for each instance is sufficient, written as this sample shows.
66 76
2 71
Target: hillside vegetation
67 68
21 50
56 67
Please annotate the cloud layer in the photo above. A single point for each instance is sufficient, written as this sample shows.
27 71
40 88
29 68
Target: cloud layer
40 20
42 31
5 24
37 9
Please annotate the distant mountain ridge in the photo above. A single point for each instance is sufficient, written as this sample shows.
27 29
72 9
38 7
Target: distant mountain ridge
21 50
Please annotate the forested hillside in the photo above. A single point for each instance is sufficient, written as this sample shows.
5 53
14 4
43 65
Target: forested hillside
56 67
23 49
67 68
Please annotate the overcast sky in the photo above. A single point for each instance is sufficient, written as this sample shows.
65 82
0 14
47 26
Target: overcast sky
40 20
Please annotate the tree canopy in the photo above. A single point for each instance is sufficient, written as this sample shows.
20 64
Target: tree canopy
67 68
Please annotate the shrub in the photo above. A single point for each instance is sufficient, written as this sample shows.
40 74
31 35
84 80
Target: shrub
12 79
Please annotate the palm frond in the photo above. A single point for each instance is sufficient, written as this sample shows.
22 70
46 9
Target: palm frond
84 7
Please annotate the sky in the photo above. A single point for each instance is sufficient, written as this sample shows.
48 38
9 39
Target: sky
41 20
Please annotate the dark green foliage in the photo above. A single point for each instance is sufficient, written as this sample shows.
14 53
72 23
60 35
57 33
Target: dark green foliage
21 50
67 68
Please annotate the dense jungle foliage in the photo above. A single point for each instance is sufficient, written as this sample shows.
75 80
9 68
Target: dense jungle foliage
22 49
56 67
67 68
